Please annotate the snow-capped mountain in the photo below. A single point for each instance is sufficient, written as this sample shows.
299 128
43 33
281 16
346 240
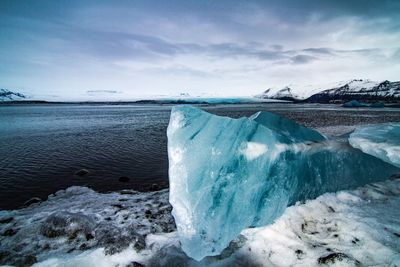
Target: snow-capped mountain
359 90
7 95
285 93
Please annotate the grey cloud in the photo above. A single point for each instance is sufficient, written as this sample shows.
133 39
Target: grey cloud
108 45
118 45
320 50
302 59
276 47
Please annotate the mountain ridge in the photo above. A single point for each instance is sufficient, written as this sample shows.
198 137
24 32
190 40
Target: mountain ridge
7 95
356 89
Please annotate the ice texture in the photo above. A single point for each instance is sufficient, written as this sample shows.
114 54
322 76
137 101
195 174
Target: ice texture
230 174
79 219
380 140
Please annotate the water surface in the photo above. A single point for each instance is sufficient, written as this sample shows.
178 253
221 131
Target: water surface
42 146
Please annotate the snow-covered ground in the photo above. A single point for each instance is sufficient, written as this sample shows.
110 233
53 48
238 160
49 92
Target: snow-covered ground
78 219
79 227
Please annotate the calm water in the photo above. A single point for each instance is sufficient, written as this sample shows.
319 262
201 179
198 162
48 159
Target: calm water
42 146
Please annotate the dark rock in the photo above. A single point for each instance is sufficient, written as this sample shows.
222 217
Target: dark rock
7 220
171 256
299 251
63 223
140 242
4 254
234 245
154 187
115 240
89 236
118 206
135 264
123 179
32 201
72 236
29 260
10 232
82 172
112 239
337 256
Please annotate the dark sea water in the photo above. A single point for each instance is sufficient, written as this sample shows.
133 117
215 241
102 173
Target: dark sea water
42 146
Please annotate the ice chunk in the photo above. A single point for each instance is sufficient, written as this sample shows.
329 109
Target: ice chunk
230 174
354 104
292 131
381 141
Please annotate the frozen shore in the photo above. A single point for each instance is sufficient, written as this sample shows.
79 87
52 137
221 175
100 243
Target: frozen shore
80 227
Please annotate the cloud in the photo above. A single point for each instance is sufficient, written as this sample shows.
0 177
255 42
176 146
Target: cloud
93 92
161 46
302 59
319 50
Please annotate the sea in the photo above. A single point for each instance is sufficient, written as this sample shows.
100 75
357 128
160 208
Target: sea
122 146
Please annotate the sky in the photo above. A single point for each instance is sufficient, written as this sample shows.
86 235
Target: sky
122 50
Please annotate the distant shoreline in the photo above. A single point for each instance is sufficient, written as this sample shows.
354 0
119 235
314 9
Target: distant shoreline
150 101
211 102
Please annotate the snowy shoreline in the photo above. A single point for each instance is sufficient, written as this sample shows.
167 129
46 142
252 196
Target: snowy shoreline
128 228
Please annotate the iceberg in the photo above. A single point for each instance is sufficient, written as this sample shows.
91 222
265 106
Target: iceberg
230 174
381 141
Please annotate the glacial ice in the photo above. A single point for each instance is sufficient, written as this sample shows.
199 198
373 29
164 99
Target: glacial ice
380 140
230 174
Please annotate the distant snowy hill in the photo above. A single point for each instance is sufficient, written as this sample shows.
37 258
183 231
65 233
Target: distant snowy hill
7 95
285 93
358 89
363 90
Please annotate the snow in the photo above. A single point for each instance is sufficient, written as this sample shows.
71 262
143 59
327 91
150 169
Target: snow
230 174
347 228
355 86
77 219
7 95
253 150
279 93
